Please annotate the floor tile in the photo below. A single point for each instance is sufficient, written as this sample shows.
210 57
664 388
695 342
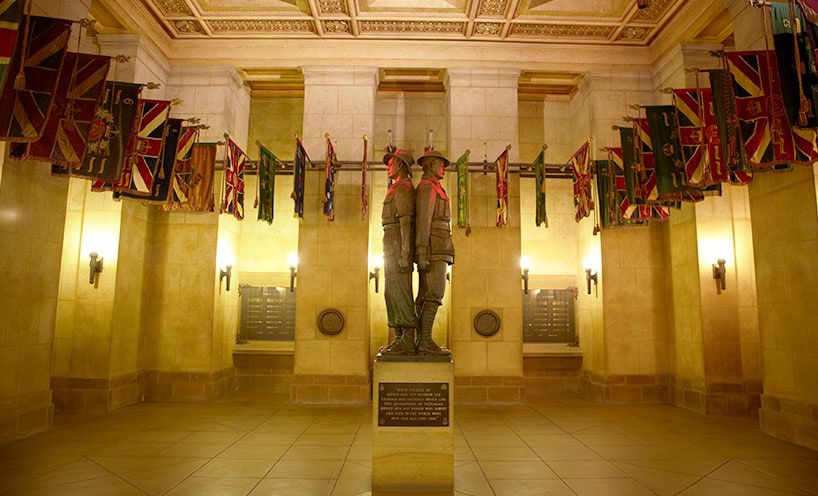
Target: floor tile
306 469
712 487
317 453
105 486
259 451
736 471
353 480
293 487
530 487
517 470
158 481
546 440
469 479
489 453
550 453
494 440
214 486
232 467
585 469
607 487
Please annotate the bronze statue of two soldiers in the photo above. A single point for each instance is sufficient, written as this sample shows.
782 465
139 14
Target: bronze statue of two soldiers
416 228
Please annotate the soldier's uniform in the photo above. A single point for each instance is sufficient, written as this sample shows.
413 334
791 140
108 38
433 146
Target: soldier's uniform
399 202
433 241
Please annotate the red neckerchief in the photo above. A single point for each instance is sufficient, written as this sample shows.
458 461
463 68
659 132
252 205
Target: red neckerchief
397 182
436 187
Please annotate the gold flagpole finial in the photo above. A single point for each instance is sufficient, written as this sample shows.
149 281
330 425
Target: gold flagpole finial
467 152
365 138
545 147
614 128
693 70
202 126
295 135
666 91
87 23
258 143
193 120
635 106
628 118
326 135
152 85
226 136
508 147
716 53
590 139
177 101
122 59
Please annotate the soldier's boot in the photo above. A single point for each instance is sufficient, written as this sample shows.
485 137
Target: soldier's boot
426 345
398 334
406 345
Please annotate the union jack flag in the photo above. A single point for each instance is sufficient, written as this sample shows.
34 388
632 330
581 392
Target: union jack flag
580 164
26 109
329 183
502 188
182 168
769 140
80 87
144 148
11 11
699 136
234 162
628 212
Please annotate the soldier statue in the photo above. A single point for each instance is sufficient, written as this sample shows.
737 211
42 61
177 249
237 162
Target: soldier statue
434 250
398 218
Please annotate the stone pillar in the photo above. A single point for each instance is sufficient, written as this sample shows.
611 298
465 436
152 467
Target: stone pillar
486 274
333 256
97 348
715 335
622 321
785 240
32 216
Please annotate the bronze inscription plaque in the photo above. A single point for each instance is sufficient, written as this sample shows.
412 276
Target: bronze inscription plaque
415 404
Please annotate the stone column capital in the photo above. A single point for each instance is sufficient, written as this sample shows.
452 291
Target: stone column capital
492 77
320 75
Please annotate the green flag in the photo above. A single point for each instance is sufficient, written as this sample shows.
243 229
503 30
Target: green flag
671 181
629 158
462 166
539 188
606 192
266 183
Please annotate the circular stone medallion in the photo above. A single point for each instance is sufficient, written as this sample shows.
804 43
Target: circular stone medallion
331 322
487 323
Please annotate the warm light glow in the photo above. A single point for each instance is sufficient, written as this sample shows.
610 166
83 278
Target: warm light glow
224 256
592 263
292 260
376 260
525 262
101 241
711 249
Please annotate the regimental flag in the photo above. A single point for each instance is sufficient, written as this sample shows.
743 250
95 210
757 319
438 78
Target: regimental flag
728 132
606 191
267 163
364 187
769 141
180 182
699 137
194 180
644 167
108 134
77 96
462 167
163 181
671 180
234 162
628 212
26 102
299 178
142 157
629 164
796 70
329 182
11 12
580 164
540 215
501 164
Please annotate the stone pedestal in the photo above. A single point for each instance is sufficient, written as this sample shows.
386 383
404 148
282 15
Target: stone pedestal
412 416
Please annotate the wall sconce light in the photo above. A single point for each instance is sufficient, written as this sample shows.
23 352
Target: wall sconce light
525 264
590 277
225 272
292 261
375 273
720 274
95 267
642 4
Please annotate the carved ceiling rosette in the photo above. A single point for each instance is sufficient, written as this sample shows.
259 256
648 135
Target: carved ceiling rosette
332 6
654 11
260 26
173 7
187 26
337 27
581 31
410 27
487 28
492 8
633 33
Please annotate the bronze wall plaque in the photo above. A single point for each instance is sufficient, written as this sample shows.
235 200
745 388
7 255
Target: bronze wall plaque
413 404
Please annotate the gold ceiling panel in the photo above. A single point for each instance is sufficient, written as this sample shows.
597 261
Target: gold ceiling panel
600 22
411 79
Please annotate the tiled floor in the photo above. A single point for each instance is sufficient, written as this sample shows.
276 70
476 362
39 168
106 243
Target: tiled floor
260 445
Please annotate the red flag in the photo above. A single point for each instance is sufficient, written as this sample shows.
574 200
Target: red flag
502 188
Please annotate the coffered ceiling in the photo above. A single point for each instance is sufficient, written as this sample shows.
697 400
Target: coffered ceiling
606 22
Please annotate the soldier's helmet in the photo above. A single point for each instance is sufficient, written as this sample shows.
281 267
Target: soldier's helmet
432 154
401 155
